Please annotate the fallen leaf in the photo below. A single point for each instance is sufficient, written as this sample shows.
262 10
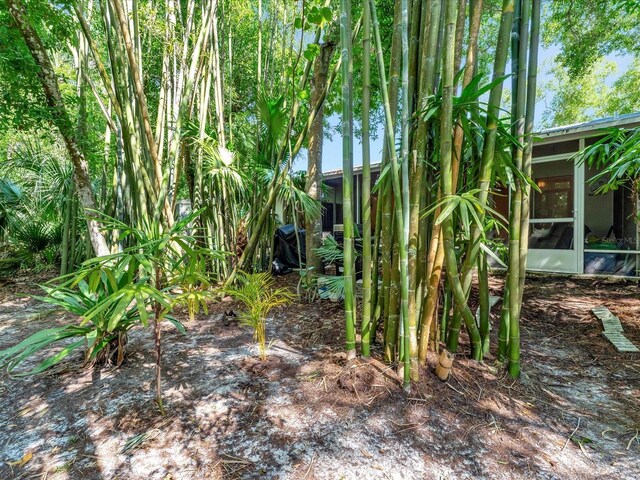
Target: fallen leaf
19 463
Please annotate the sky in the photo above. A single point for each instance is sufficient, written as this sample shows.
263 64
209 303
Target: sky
332 147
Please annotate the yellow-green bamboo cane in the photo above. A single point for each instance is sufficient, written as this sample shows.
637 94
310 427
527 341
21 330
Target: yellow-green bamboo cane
409 328
366 332
488 151
519 65
397 194
347 176
488 154
446 174
516 306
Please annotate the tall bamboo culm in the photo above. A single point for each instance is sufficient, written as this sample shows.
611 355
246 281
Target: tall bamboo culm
347 177
367 333
524 113
397 194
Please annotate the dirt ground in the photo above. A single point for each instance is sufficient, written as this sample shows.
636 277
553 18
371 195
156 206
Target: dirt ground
305 413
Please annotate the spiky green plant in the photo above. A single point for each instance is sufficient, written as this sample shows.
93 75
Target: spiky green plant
10 198
109 303
257 293
113 293
194 286
160 256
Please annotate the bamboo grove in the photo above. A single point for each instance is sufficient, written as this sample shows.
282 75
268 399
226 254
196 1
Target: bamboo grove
437 227
160 104
159 77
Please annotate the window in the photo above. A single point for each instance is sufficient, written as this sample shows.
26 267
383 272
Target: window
555 199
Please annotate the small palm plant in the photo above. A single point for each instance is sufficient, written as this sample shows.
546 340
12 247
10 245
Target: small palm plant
193 283
258 295
114 293
109 301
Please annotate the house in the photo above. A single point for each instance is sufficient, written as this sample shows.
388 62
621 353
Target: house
573 230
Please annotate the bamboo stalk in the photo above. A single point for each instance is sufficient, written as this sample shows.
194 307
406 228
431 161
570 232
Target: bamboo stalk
409 326
532 78
385 198
347 177
488 151
526 113
144 111
487 160
446 151
427 85
519 65
397 193
483 320
366 185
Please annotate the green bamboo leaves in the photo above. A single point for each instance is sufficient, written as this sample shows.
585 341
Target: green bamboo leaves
469 210
617 154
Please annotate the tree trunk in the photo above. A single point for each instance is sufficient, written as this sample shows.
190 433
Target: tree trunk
62 121
313 226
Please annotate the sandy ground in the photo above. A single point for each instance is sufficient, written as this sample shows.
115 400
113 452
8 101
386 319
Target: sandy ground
306 413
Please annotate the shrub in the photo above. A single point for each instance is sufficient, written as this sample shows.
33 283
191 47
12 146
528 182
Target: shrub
255 291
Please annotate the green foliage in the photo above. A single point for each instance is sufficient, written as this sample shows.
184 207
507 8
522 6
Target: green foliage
311 52
332 286
109 302
588 30
33 197
316 17
292 193
194 285
258 295
472 114
22 102
114 293
572 99
584 81
33 243
330 251
11 196
624 95
616 156
469 210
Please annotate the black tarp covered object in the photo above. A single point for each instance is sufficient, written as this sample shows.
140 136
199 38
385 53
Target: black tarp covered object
286 247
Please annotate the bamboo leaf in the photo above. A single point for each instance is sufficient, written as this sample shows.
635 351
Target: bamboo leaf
176 323
142 310
452 203
489 252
